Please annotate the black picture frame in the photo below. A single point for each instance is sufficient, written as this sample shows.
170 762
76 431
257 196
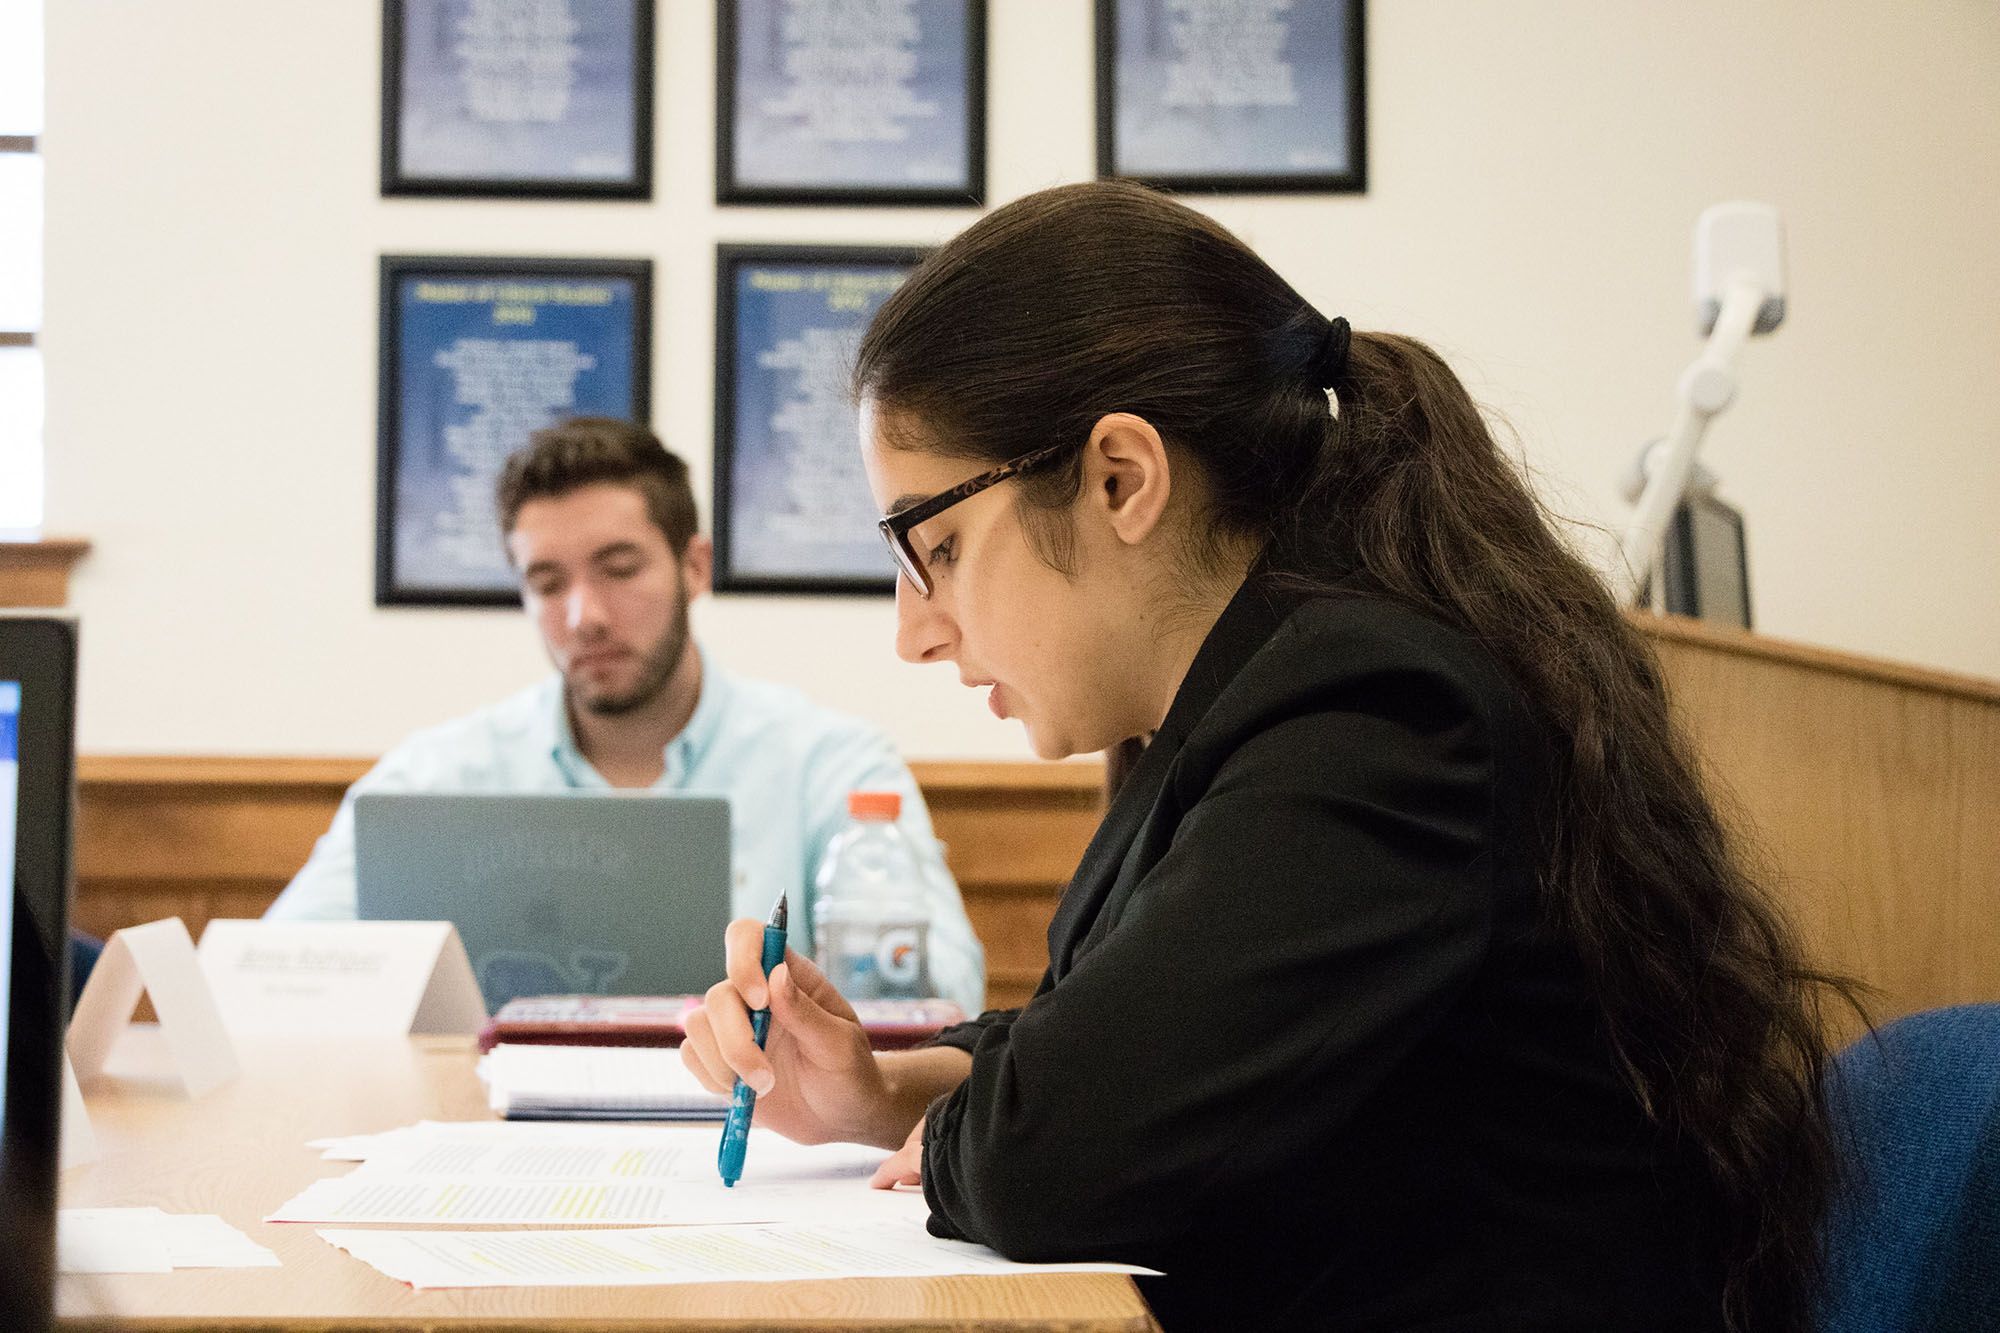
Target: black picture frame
1353 138
969 191
734 573
399 179
626 390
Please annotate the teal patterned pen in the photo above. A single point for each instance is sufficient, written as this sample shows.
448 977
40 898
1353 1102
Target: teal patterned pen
736 1129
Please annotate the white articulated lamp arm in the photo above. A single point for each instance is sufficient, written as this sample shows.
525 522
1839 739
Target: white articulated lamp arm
1746 297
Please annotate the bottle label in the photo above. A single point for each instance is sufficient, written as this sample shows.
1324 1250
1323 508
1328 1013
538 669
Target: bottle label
899 956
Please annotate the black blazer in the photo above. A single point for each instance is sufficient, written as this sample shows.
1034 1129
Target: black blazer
1304 1043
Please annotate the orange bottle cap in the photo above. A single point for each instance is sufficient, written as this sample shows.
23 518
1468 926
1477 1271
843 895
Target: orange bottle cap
875 804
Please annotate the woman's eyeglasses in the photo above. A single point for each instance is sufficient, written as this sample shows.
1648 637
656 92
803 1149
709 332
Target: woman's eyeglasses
896 527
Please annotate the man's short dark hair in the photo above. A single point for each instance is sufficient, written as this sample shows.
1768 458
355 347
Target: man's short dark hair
586 450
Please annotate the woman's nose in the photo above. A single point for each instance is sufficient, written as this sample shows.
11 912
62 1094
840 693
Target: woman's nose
924 633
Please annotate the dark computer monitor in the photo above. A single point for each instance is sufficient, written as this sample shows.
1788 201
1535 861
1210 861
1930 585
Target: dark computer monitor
1705 570
37 764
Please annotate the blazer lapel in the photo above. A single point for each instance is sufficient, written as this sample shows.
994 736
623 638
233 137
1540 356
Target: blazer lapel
1109 846
1249 620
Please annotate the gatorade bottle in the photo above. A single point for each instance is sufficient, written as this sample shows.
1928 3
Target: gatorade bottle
871 926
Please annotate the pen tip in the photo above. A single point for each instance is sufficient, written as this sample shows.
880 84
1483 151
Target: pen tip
780 912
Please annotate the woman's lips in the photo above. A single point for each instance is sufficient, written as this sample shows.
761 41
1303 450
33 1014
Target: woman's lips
994 700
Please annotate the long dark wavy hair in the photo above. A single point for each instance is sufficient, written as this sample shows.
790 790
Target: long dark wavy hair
1083 300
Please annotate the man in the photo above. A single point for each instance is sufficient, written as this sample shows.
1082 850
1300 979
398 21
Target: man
600 521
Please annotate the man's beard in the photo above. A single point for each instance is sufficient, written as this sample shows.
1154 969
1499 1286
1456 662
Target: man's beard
656 670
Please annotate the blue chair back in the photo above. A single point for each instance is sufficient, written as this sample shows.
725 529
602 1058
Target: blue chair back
1913 1240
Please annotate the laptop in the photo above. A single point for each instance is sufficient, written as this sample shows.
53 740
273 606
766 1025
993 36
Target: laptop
559 893
37 765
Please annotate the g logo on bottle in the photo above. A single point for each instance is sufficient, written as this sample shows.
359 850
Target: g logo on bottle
897 956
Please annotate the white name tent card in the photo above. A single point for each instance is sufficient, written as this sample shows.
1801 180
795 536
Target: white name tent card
341 978
156 960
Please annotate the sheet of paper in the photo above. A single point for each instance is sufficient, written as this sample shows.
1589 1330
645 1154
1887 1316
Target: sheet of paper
403 1201
787 1252
203 1240
340 978
513 1162
474 1133
147 1240
111 1240
158 960
526 1175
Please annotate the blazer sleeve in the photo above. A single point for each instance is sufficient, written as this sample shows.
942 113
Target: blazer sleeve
966 1036
1319 908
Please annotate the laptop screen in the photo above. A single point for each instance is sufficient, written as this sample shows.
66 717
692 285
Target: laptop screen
10 785
37 762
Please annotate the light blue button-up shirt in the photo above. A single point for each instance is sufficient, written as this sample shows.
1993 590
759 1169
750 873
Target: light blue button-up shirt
785 763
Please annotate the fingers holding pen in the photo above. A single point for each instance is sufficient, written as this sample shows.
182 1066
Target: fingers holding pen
728 1023
699 1053
827 1036
743 962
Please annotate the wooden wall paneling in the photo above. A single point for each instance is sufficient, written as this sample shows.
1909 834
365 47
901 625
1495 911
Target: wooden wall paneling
34 572
1013 834
202 838
1872 797
196 838
1874 791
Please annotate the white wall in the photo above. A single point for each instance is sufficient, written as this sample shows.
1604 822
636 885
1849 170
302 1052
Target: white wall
213 227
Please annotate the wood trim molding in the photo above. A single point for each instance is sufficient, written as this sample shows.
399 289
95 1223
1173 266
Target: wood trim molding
941 776
1744 643
217 770
35 571
1083 781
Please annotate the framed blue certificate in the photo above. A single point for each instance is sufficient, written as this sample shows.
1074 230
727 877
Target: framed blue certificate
860 102
535 98
1247 96
477 354
792 508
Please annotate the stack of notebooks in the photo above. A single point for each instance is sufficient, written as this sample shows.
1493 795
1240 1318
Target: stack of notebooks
595 1083
596 1057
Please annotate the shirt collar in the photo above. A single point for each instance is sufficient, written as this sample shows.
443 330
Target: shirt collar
686 750
683 752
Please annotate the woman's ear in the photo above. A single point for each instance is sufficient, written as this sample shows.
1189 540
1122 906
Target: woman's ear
1126 477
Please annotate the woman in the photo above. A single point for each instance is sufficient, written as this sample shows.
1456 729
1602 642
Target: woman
1410 981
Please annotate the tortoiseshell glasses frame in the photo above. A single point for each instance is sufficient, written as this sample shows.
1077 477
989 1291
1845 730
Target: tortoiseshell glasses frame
896 527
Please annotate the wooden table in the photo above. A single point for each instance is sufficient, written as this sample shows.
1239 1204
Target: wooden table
240 1152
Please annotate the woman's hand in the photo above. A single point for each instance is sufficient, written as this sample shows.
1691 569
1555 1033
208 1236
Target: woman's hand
816 1080
907 1166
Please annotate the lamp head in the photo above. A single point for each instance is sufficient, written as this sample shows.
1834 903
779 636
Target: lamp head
1739 243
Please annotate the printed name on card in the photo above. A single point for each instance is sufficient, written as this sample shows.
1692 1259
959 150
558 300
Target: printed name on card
341 978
